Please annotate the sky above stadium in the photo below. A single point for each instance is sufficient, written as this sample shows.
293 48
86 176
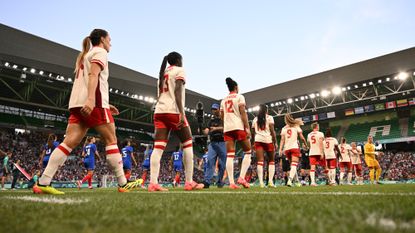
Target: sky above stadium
258 43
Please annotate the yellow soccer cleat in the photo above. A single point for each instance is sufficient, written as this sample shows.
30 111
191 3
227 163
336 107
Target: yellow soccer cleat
38 189
130 185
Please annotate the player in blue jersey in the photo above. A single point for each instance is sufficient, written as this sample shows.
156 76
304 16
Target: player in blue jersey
205 160
127 158
47 150
177 160
146 161
88 153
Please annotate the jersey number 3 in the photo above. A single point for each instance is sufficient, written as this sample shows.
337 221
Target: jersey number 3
166 83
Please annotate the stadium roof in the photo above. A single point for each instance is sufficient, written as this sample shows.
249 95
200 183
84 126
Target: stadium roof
361 71
24 48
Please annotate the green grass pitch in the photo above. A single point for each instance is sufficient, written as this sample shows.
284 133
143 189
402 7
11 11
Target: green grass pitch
369 208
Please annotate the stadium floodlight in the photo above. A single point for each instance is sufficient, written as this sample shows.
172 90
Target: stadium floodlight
380 81
370 83
318 94
388 79
146 98
128 94
325 93
116 91
312 96
302 98
289 101
32 70
7 64
50 75
69 80
151 99
110 89
249 109
356 86
306 97
413 73
272 104
336 91
256 108
141 97
15 66
122 93
348 88
24 68
364 84
41 72
283 102
343 89
403 76
296 99
23 76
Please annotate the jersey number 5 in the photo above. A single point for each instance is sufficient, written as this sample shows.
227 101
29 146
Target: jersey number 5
229 106
313 139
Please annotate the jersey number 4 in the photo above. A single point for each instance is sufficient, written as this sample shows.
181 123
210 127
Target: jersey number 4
229 106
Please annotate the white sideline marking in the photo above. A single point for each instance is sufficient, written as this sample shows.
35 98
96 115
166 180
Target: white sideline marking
388 224
290 193
52 200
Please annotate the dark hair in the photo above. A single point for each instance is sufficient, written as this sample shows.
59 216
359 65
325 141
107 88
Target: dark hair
231 84
173 58
89 139
262 116
51 139
125 143
94 38
328 133
343 140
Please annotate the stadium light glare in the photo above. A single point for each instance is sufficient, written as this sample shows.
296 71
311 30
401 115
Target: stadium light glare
62 78
370 83
282 102
110 89
24 68
249 109
141 97
306 97
302 98
296 99
403 76
6 64
380 81
289 100
343 89
337 90
272 104
69 80
151 99
356 86
15 66
364 84
41 72
413 73
318 94
388 79
325 93
276 103
32 70
348 88
312 96
256 108
116 91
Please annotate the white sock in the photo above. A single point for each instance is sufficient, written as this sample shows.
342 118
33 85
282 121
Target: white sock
349 177
293 171
332 175
114 159
271 171
57 159
158 150
229 166
260 169
246 162
188 160
313 176
341 177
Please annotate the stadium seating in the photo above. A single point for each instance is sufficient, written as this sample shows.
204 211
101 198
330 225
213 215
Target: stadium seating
381 130
411 126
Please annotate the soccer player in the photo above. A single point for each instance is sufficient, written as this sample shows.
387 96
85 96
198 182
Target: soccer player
177 158
128 158
331 150
289 144
345 162
5 167
236 129
146 162
371 161
355 153
265 142
316 153
170 116
305 167
88 153
89 108
48 148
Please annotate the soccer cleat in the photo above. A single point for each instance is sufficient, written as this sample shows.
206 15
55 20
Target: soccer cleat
156 188
90 187
234 186
289 183
39 189
130 185
271 185
262 185
243 182
298 184
188 186
313 184
79 184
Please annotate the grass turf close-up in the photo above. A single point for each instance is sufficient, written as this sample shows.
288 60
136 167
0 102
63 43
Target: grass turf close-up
368 208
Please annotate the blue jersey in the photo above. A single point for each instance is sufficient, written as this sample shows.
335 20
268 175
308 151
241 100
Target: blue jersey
177 157
126 156
49 150
89 159
146 162
205 160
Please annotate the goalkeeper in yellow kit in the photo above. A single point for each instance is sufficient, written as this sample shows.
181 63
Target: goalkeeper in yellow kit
371 161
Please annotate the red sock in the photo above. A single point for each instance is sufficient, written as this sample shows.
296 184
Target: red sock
144 176
86 178
177 179
127 175
90 181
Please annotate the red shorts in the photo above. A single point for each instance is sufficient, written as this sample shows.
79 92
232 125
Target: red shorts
98 116
331 163
317 160
235 135
292 153
268 147
347 165
168 121
358 169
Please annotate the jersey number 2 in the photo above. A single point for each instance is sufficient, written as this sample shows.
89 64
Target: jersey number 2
229 106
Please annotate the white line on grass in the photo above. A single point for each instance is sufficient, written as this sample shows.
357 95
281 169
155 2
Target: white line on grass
52 200
289 193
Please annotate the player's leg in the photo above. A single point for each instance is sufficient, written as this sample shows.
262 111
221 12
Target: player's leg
160 142
230 156
313 161
211 162
3 178
74 134
271 167
295 155
378 170
185 136
342 172
220 149
91 172
246 162
259 151
349 173
127 173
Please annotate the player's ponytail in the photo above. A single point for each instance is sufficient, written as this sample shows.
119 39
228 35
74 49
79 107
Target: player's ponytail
263 109
289 120
161 74
231 84
86 46
328 133
343 140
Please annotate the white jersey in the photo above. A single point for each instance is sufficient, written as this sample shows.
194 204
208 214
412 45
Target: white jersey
290 135
344 150
329 145
263 135
232 118
355 156
315 138
79 92
167 100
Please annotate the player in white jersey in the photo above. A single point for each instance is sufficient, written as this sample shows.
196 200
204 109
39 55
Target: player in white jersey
355 154
235 128
331 152
316 153
170 116
345 162
289 144
89 108
265 142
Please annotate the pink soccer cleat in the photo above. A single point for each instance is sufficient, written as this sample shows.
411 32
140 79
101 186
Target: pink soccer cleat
189 186
156 188
234 186
243 182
